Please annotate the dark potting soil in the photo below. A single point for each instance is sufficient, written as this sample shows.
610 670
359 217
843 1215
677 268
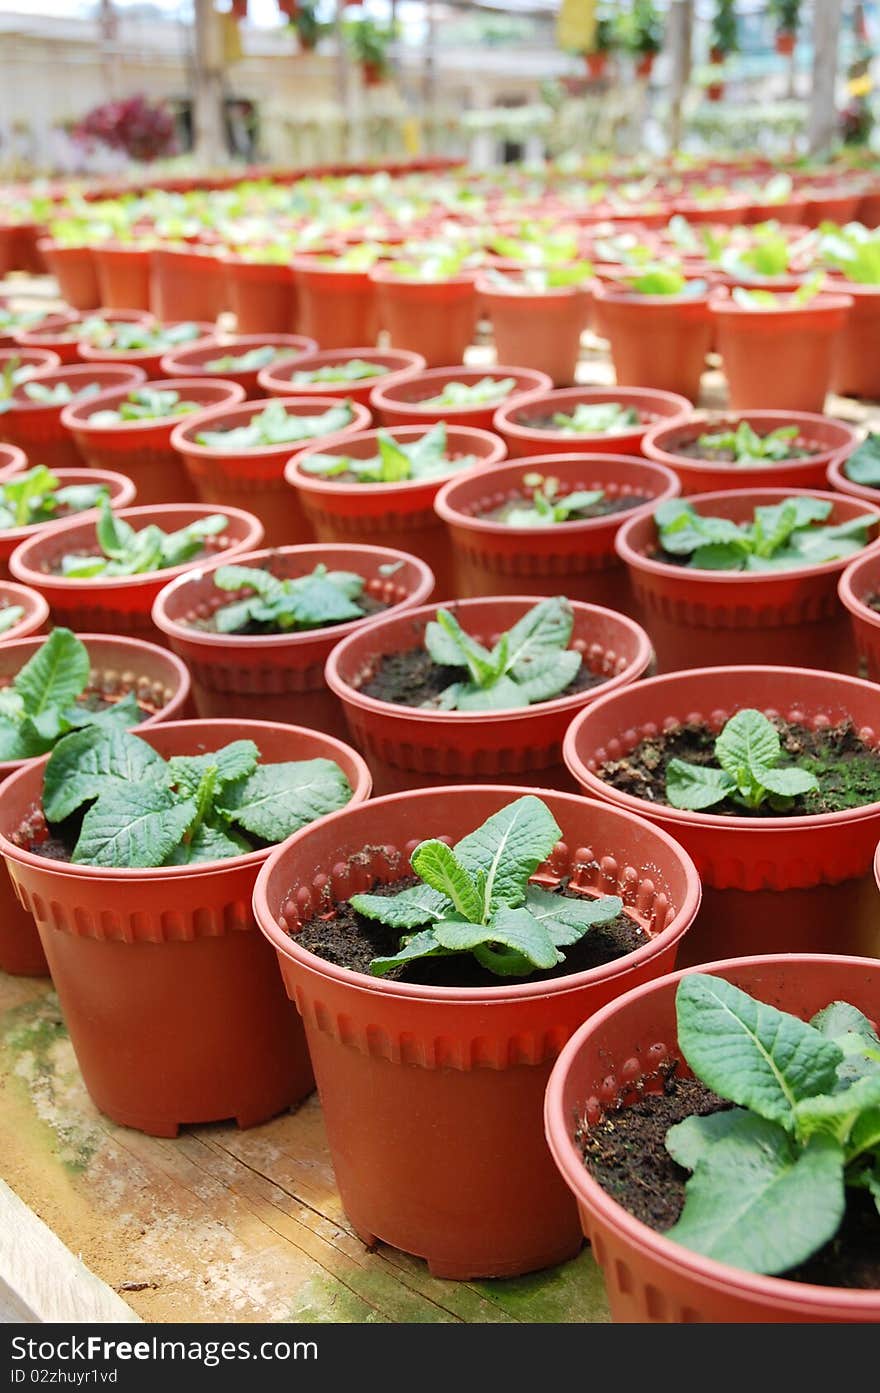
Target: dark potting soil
847 769
412 678
368 603
625 1152
624 503
349 939
691 449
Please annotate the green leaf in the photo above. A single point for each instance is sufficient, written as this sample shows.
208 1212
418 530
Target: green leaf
566 919
448 644
542 632
508 848
234 761
690 1141
208 843
787 782
20 739
133 825
759 1203
422 945
114 534
408 909
124 713
56 674
277 799
863 465
515 944
748 742
248 578
749 1052
502 694
837 1113
549 678
10 615
696 786
395 460
86 762
437 865
839 1020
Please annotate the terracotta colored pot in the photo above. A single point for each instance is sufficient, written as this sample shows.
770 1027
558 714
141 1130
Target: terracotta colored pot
656 340
854 371
788 213
277 675
434 318
575 558
729 214
834 439
596 64
869 208
120 488
262 296
171 998
255 478
148 359
123 275
143 449
402 403
400 366
430 1093
398 515
118 665
36 426
187 283
190 362
119 603
12 461
860 582
337 305
540 330
416 747
697 618
841 207
779 359
74 270
36 610
514 420
649 1278
57 333
18 247
787 884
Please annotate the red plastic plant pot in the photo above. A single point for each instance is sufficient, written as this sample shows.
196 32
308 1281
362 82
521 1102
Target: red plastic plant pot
698 618
337 305
274 676
187 283
837 207
417 747
12 461
400 366
119 604
262 296
143 449
403 403
148 359
74 270
649 1278
540 330
516 420
859 583
54 334
854 370
255 478
829 438
36 610
118 665
36 426
396 515
173 1002
578 558
38 360
190 362
779 359
434 318
785 884
421 1086
120 488
657 341
123 275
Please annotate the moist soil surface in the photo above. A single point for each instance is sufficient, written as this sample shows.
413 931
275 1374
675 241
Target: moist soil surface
692 449
623 503
368 603
625 1153
848 770
351 940
412 678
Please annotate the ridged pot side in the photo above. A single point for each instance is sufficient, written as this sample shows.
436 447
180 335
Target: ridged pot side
172 999
423 1086
775 884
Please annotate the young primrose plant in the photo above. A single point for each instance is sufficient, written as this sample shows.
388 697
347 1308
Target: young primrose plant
748 447
770 1175
459 394
748 751
304 602
476 898
547 506
396 462
531 662
125 552
35 497
779 537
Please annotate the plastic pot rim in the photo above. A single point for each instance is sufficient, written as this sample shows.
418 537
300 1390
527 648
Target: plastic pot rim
503 422
36 608
72 417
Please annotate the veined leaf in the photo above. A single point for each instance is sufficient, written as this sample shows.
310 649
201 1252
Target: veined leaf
86 762
233 761
277 799
436 864
408 909
565 918
509 847
690 1141
133 825
56 674
696 786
